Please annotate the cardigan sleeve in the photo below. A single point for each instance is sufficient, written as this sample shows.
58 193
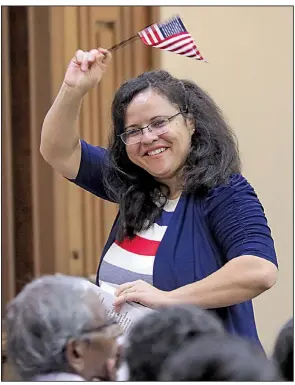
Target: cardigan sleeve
92 165
237 221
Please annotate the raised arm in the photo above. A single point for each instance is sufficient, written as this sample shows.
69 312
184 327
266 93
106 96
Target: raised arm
60 141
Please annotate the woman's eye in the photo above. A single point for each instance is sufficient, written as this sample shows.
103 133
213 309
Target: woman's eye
158 123
133 133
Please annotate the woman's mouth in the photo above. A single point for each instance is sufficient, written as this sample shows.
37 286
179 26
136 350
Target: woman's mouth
157 151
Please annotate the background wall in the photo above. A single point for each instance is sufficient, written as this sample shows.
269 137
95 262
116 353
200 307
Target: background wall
250 76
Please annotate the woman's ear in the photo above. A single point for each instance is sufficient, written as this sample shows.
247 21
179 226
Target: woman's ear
190 121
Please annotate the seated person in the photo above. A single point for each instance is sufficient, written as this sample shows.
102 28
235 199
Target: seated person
219 358
58 330
159 333
283 352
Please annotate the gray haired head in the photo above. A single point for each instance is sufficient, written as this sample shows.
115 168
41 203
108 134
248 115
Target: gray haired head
43 317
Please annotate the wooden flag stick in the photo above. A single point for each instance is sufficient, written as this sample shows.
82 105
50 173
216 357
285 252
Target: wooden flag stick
122 43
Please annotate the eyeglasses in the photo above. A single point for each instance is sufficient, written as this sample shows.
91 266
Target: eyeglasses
110 322
96 329
158 126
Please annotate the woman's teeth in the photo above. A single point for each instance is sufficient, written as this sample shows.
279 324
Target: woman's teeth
157 151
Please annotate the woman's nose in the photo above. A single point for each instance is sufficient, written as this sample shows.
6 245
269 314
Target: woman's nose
148 136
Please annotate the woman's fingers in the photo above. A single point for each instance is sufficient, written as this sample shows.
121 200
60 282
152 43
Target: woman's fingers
128 297
123 287
107 58
93 53
79 56
85 59
84 63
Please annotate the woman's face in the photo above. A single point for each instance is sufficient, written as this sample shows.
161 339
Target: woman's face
143 109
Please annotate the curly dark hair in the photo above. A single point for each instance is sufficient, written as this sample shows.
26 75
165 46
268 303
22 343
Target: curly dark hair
213 156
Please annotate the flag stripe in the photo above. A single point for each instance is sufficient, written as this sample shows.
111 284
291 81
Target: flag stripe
173 39
142 38
184 48
180 47
156 33
145 35
154 38
192 53
181 41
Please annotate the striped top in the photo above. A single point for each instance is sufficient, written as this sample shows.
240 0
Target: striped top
133 259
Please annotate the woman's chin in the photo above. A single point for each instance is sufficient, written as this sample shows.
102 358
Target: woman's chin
161 175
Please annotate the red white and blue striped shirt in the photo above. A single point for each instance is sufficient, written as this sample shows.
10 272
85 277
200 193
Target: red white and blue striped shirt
133 259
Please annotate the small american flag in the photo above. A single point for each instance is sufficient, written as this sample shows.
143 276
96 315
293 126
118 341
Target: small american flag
171 36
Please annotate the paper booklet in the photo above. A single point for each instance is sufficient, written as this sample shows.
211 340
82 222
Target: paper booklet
130 311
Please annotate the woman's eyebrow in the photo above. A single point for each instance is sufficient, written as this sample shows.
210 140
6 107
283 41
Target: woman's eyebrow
151 119
132 126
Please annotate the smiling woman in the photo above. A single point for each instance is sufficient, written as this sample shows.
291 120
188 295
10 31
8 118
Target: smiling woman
190 227
163 146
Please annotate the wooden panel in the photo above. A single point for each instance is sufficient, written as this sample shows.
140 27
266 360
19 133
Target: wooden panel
20 124
96 140
106 91
86 129
155 56
74 194
42 175
7 228
106 30
61 247
107 14
140 53
127 29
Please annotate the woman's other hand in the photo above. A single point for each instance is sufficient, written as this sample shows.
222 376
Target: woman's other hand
140 292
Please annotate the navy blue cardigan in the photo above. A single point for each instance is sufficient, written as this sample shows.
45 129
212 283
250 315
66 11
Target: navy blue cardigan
203 234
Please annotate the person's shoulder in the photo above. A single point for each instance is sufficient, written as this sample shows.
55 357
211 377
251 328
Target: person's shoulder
235 182
235 185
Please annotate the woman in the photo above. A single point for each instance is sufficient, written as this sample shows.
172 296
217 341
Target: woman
190 228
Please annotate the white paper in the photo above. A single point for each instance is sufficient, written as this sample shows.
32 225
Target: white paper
129 313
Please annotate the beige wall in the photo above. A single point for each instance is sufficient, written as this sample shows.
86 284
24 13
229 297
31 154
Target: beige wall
250 75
